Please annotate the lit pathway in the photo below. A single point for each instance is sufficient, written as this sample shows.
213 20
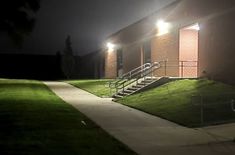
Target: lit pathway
144 133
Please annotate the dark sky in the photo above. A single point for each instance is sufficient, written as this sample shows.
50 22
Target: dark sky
88 22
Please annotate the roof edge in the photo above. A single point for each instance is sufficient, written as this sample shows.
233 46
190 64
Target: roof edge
145 18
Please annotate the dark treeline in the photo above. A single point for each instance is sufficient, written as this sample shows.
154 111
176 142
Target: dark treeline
45 67
22 66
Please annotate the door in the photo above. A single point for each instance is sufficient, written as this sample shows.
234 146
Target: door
147 52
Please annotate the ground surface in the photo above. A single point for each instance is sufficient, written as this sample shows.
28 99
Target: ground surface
97 87
178 101
182 102
34 121
144 133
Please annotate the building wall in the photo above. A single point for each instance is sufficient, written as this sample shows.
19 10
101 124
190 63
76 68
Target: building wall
131 60
131 57
188 54
216 51
188 45
166 48
110 64
217 48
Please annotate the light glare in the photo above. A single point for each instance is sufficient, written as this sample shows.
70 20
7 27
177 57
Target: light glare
194 27
110 46
163 27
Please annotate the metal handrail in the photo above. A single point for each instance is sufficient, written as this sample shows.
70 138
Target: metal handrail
141 74
129 75
179 63
133 73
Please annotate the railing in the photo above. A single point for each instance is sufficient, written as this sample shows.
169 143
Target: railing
129 75
136 71
164 68
179 68
134 76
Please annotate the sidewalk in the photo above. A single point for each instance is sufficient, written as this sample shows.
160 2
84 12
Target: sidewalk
144 133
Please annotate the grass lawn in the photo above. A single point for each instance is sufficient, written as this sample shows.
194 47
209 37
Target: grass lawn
96 87
180 101
34 121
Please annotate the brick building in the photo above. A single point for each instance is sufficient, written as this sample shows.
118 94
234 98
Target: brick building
191 38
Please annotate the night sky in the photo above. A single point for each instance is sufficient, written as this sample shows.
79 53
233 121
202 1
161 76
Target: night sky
89 22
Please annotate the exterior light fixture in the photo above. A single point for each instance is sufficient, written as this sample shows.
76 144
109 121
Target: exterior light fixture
110 46
194 27
163 27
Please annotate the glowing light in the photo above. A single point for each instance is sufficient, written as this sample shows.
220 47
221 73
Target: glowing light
110 46
194 27
163 27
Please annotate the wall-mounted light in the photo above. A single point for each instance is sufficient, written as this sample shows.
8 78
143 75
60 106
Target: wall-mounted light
163 27
194 27
110 46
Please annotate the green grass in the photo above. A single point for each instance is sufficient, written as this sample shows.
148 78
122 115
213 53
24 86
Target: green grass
96 87
34 121
179 101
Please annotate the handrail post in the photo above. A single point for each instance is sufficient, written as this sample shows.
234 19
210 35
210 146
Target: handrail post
123 88
182 69
116 90
152 71
165 63
144 76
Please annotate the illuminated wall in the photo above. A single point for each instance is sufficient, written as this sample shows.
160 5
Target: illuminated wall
166 48
188 52
216 47
110 64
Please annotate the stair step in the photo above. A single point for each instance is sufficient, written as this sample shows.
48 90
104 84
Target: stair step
146 82
128 91
137 86
151 78
123 94
132 89
141 84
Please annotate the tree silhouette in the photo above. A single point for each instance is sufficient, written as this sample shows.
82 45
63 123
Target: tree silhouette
68 61
17 17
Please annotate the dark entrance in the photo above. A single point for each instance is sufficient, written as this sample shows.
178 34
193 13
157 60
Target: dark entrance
147 52
119 62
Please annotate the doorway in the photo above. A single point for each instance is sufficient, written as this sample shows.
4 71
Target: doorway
147 52
188 51
119 62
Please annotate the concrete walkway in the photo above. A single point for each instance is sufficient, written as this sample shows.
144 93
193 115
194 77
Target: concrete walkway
144 133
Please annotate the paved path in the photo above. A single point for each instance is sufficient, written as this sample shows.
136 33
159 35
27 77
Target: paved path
144 133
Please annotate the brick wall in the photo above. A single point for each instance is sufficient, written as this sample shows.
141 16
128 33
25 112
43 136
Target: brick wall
131 60
131 57
217 48
166 47
188 52
216 39
110 64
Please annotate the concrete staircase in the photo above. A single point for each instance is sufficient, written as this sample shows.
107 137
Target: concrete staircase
137 80
144 85
135 88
